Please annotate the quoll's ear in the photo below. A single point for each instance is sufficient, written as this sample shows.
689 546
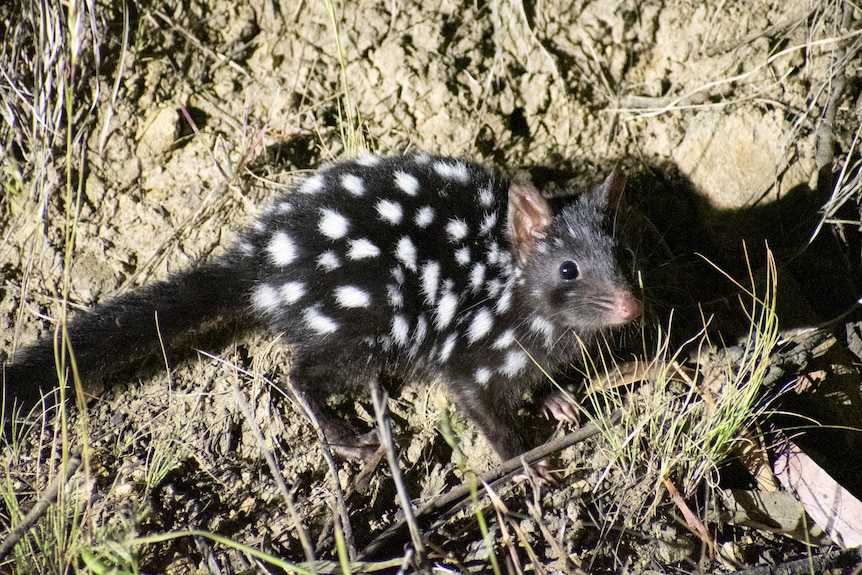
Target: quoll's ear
529 218
612 192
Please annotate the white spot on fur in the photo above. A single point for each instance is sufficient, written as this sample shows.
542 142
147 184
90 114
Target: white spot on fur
457 229
369 160
486 196
482 375
506 339
385 342
246 247
328 261
362 249
353 184
483 321
493 287
452 171
448 347
312 185
264 298
284 208
477 277
407 183
400 330
493 255
430 281
543 327
445 312
390 211
489 222
352 297
501 257
405 251
332 224
462 256
504 303
394 296
424 217
292 292
282 250
516 360
318 322
419 334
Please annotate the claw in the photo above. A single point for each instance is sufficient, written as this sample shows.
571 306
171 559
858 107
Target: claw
540 472
558 406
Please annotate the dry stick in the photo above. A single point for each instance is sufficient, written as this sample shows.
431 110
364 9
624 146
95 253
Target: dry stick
507 470
339 494
552 541
341 510
45 500
276 473
206 551
385 433
841 559
794 354
824 142
217 56
693 521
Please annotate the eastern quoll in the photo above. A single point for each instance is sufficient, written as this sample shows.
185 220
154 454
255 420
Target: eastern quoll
417 266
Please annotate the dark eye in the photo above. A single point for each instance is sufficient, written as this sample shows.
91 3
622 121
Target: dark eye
569 270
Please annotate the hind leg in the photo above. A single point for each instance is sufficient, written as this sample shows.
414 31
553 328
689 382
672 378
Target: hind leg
315 380
495 413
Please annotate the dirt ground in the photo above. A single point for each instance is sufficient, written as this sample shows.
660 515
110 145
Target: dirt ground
730 119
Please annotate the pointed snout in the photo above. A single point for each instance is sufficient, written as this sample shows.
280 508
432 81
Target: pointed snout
628 307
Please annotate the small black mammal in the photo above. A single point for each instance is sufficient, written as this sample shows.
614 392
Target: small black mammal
413 265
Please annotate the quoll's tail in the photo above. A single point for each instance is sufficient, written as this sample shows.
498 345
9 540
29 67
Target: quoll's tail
124 332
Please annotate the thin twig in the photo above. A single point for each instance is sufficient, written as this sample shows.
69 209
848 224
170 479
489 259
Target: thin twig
276 473
378 399
454 499
693 521
338 492
841 559
824 141
327 453
39 508
220 58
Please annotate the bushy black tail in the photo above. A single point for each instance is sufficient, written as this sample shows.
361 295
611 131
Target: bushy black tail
125 332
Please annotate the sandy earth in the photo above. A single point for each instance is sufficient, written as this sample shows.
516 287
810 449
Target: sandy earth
712 108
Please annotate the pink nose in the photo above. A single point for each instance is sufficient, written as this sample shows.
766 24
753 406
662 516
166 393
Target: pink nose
629 307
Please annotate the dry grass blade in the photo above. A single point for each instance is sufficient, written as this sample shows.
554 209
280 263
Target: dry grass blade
691 519
456 498
385 434
276 474
273 466
48 497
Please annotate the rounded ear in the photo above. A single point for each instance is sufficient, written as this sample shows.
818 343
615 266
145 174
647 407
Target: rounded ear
528 219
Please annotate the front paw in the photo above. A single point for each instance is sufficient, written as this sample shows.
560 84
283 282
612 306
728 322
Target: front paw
561 408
